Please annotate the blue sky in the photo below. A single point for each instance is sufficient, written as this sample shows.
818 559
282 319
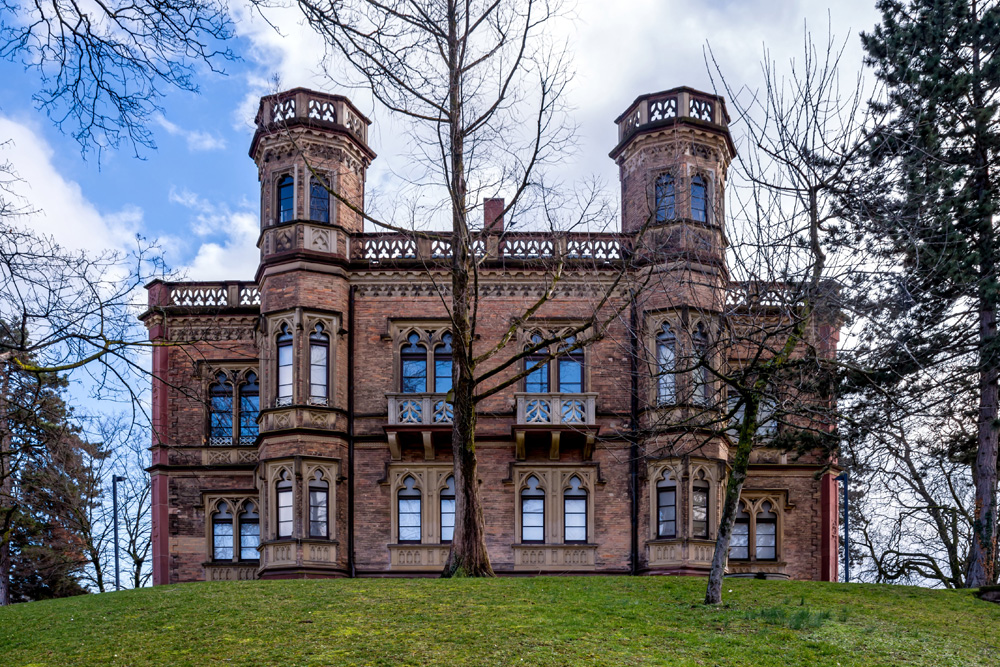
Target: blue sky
197 192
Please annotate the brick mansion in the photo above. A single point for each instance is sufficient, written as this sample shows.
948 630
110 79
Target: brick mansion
301 422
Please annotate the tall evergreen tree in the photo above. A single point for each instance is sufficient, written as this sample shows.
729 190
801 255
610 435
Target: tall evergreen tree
930 215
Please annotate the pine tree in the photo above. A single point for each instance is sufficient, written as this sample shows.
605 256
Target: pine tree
929 214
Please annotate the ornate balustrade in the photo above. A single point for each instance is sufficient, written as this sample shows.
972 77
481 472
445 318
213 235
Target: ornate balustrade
305 106
229 294
680 102
528 246
556 409
426 409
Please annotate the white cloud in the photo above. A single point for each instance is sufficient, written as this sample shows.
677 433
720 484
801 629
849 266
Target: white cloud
234 258
197 140
60 207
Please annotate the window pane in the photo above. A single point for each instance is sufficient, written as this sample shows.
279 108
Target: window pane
285 198
664 198
698 202
766 540
447 519
699 511
409 518
249 540
570 376
414 376
666 384
222 539
319 202
739 543
532 534
533 519
442 376
317 371
284 513
284 371
575 519
318 502
537 381
222 418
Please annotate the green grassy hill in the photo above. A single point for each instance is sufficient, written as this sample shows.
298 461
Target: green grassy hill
612 621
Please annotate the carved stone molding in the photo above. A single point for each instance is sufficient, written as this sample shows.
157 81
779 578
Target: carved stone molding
418 556
555 556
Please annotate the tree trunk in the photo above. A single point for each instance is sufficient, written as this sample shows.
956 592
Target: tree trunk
734 487
468 556
6 491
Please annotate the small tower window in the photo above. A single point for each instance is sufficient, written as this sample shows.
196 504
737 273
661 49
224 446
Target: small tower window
249 409
442 365
739 543
702 376
537 381
571 368
249 533
284 342
319 503
319 201
532 512
283 494
319 366
221 408
409 512
222 533
666 360
767 533
666 507
699 200
413 358
665 198
448 511
286 198
575 512
699 506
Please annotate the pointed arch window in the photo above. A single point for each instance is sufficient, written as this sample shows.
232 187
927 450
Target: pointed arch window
575 512
286 198
699 506
319 201
221 411
537 381
249 409
408 512
448 511
249 532
739 542
665 198
702 375
666 362
666 507
699 199
285 366
283 495
766 538
319 503
222 533
443 365
413 358
571 368
319 366
532 512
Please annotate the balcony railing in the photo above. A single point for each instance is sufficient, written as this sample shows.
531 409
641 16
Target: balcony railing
301 105
593 248
681 102
228 294
419 409
556 409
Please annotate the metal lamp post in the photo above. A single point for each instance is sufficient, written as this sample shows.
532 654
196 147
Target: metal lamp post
843 477
114 510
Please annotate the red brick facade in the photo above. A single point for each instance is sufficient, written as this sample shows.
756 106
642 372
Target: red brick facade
335 409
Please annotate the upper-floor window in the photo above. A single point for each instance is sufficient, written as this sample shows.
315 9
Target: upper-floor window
570 369
442 365
413 357
319 365
286 198
447 504
665 198
249 532
537 380
666 365
699 506
234 403
666 507
702 375
285 514
532 512
565 374
767 420
319 504
285 366
408 512
319 201
699 199
575 512
222 533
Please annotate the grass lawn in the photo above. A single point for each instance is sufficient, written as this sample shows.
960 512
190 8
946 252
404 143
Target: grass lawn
614 621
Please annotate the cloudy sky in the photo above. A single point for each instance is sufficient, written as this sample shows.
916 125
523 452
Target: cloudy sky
197 193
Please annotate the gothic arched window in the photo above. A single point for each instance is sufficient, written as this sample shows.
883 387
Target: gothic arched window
285 364
319 201
413 358
571 368
666 507
221 411
702 375
319 503
699 199
665 198
222 533
408 512
666 366
319 366
249 533
283 495
286 198
766 538
532 512
442 365
537 381
575 512
448 511
699 506
249 409
739 542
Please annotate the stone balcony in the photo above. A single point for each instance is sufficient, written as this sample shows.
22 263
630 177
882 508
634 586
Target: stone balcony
553 415
300 106
662 108
416 414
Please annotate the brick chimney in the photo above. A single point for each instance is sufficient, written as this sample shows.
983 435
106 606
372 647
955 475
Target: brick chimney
493 216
